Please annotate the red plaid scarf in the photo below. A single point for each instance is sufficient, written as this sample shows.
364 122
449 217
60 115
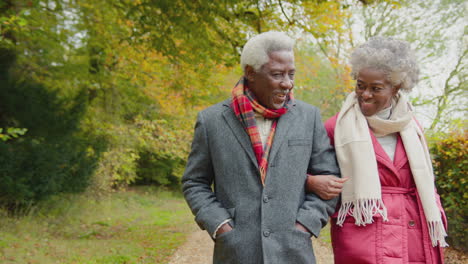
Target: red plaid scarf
245 105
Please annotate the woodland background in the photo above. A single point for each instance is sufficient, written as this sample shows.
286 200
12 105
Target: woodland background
100 96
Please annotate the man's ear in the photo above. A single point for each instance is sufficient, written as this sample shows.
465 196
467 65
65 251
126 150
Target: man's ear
249 73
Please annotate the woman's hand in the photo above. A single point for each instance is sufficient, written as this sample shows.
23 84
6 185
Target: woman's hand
325 186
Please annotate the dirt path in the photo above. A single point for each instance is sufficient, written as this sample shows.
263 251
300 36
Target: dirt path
199 249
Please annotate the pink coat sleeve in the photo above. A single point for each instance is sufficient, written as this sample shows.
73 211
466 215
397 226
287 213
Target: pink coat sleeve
330 127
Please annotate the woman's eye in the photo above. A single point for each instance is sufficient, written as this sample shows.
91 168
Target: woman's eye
377 89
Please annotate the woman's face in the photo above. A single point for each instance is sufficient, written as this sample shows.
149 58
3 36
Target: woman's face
374 91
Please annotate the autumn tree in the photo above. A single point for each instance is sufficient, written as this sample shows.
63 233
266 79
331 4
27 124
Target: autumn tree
52 157
125 79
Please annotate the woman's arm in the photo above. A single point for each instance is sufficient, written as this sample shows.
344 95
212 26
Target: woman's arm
326 186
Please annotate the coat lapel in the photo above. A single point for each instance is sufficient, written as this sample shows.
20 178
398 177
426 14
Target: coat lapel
400 154
382 157
285 122
239 132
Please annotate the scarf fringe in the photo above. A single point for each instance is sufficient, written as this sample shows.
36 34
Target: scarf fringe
437 233
362 211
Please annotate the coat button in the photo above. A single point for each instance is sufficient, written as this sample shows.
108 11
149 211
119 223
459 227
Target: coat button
411 223
266 233
265 199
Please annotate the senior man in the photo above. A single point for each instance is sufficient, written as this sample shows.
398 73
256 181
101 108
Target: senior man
250 156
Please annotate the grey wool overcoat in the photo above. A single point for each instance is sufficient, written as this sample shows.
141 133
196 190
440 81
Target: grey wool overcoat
222 181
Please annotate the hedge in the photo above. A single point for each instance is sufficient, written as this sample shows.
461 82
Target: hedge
450 157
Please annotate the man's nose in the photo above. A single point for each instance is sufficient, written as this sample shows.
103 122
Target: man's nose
287 83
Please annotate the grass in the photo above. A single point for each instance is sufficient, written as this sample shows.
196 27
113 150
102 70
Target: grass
325 235
138 226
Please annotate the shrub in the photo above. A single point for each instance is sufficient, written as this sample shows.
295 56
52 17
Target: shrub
31 170
53 155
117 169
141 152
163 150
159 170
450 156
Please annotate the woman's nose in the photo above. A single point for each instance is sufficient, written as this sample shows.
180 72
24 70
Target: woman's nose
366 94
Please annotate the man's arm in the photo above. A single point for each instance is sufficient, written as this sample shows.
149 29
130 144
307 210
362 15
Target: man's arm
314 212
196 183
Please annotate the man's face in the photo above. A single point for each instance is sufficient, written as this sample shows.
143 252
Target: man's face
274 80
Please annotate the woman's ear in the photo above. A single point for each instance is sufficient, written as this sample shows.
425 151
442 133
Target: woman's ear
249 73
396 88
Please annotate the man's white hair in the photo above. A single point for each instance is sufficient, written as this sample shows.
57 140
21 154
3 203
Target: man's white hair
394 57
256 51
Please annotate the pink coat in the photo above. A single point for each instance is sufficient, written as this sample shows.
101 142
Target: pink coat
402 239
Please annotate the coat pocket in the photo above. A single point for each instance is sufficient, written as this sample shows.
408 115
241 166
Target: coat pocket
227 247
232 212
299 142
298 245
354 244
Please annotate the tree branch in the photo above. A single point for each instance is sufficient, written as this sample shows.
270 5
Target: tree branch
284 13
442 100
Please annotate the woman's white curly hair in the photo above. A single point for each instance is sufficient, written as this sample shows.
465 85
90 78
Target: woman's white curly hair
256 50
394 57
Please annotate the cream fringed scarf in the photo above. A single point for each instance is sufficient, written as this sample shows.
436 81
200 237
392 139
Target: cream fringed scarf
361 197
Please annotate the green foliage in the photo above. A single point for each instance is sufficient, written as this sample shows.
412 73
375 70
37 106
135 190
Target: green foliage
318 82
450 154
221 26
32 170
11 133
117 167
159 169
143 152
53 157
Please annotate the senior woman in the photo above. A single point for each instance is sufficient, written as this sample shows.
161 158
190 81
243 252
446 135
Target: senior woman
389 211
